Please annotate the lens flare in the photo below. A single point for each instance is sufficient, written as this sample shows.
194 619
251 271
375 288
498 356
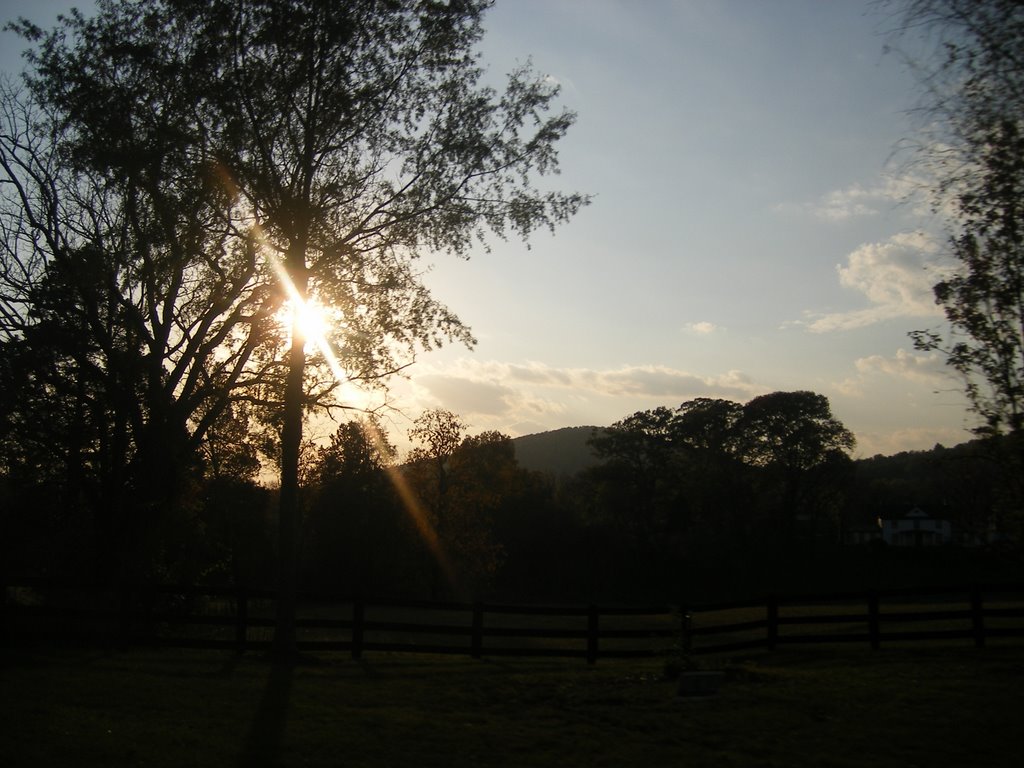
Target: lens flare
311 319
314 326
414 507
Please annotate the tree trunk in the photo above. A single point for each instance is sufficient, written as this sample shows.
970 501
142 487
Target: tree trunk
288 510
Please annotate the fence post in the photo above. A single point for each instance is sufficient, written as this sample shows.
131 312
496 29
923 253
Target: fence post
478 630
874 621
592 625
358 614
772 610
123 618
977 616
3 614
241 619
686 627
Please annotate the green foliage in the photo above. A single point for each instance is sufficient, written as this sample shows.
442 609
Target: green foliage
975 92
354 540
717 471
792 430
460 481
983 300
964 484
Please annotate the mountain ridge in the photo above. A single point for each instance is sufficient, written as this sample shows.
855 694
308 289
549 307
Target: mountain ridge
566 451
563 451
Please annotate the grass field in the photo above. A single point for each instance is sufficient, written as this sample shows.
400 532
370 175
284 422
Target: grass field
826 707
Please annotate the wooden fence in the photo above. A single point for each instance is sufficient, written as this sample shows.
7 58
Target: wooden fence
873 617
243 620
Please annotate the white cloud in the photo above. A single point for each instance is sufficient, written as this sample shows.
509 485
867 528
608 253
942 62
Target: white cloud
852 387
702 328
888 443
494 395
482 397
843 204
644 380
857 200
534 373
906 400
895 276
659 381
927 368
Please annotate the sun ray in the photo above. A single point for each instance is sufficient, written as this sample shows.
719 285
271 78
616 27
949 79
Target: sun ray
315 330
314 335
413 506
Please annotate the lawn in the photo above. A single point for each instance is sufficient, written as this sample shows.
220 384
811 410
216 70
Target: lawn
826 707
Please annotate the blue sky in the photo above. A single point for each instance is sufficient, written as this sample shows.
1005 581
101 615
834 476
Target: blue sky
751 229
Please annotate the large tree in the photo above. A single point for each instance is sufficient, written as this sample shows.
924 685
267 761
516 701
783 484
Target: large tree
676 476
637 483
328 146
802 452
132 308
974 112
983 300
461 482
973 118
353 540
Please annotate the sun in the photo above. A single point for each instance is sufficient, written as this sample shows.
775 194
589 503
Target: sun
315 324
313 321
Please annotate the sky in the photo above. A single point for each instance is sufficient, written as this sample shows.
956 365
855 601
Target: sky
753 226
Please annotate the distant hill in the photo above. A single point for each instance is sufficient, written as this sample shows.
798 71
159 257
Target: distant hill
565 452
559 452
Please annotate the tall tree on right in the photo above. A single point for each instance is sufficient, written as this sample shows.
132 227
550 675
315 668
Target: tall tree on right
975 93
974 112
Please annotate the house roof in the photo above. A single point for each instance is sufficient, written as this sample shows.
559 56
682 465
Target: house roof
913 513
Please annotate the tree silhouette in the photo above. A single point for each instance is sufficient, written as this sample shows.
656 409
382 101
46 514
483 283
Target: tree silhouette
713 469
462 482
293 150
353 539
136 311
974 92
638 485
801 449
794 430
484 475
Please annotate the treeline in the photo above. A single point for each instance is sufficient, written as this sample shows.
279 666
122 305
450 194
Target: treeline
710 499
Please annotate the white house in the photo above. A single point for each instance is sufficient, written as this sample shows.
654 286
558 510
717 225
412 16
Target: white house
916 529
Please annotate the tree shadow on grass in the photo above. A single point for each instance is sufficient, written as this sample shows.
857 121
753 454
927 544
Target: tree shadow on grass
262 748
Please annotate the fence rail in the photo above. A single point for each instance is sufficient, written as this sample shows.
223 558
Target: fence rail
872 617
242 619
